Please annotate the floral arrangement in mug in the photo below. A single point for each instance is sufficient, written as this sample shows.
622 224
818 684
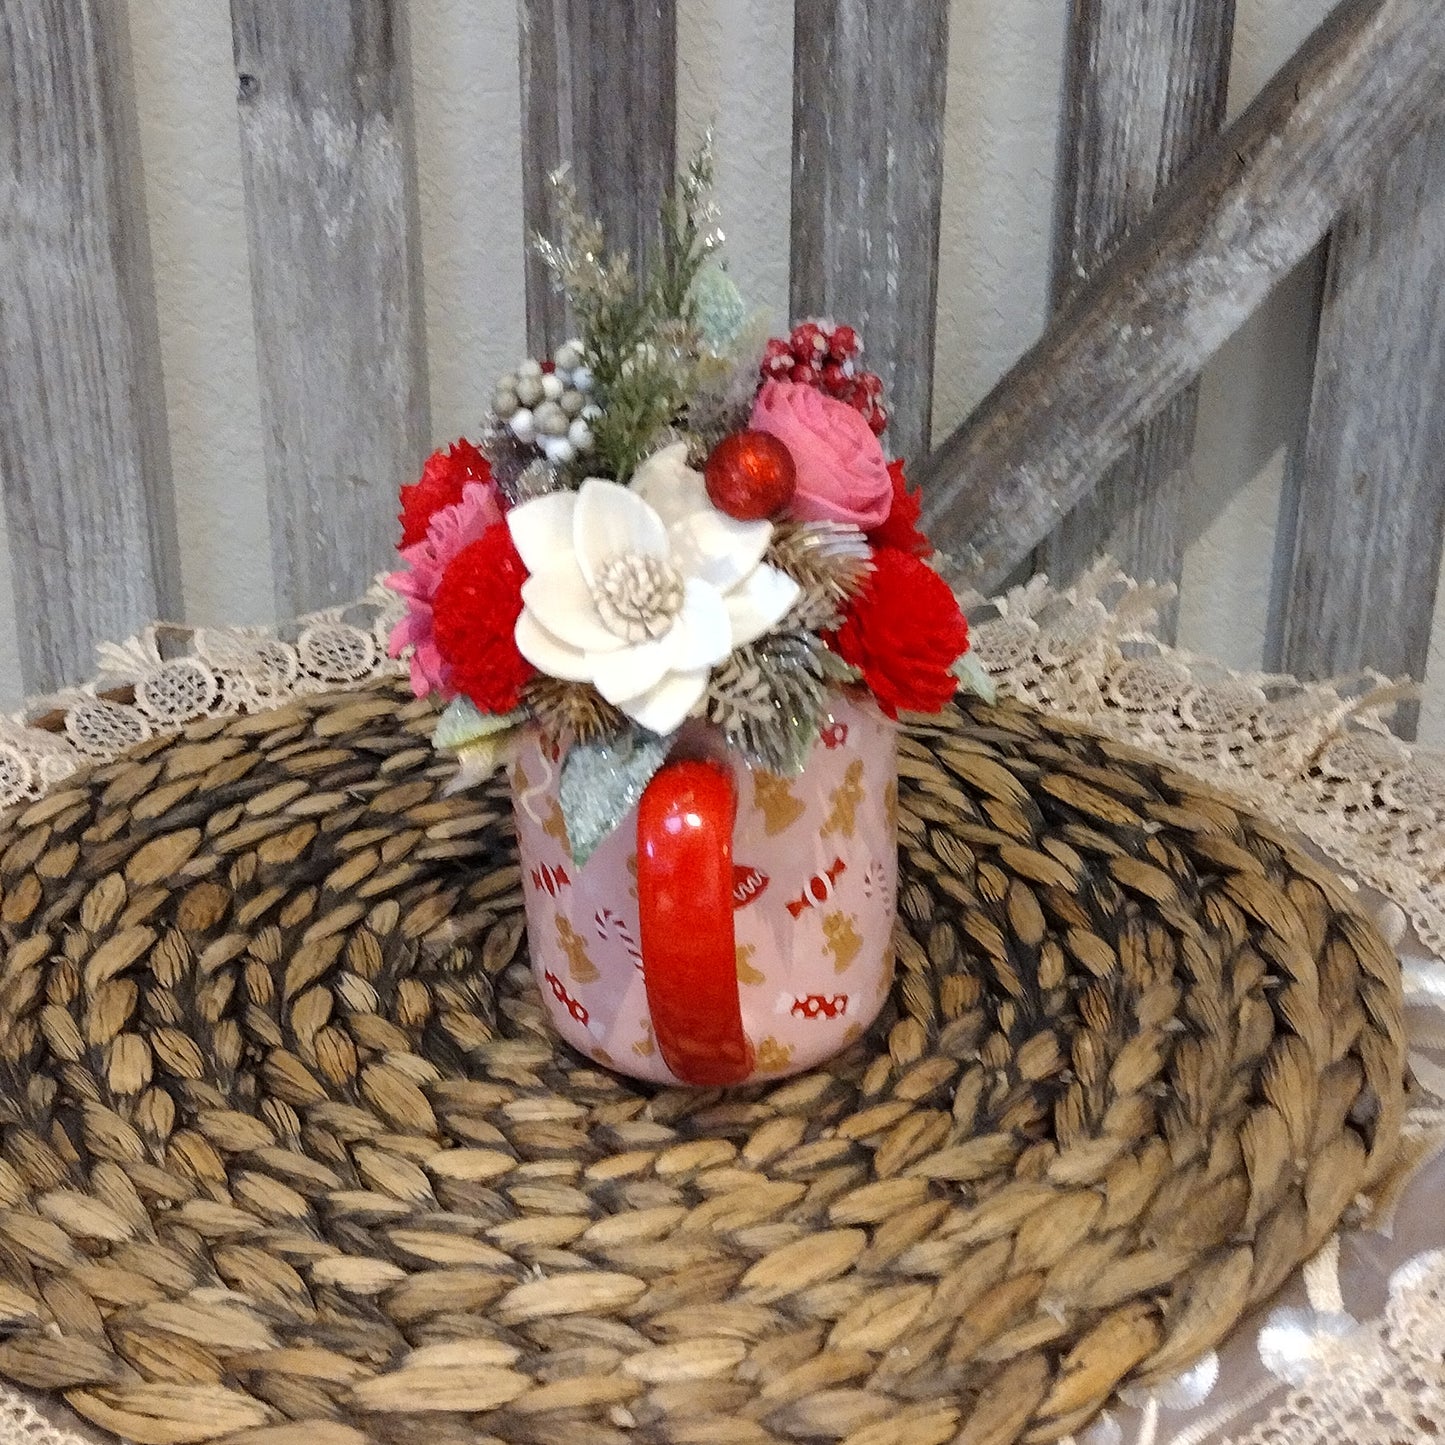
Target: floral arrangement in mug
672 517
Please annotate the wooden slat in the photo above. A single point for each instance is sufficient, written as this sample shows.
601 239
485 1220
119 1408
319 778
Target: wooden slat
1146 89
335 277
868 91
84 459
1231 227
1368 517
599 96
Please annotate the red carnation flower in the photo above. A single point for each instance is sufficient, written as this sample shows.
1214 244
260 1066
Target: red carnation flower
475 611
904 631
443 477
900 528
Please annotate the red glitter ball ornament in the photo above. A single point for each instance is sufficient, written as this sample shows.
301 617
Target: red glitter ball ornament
750 475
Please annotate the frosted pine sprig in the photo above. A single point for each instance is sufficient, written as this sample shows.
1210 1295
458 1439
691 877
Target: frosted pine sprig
769 698
830 561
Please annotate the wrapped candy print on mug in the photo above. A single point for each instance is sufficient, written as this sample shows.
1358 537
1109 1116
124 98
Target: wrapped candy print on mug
735 923
688 633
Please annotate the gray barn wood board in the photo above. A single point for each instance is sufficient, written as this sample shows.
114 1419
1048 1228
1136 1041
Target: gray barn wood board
330 183
1146 88
868 92
599 96
1369 512
1252 205
84 457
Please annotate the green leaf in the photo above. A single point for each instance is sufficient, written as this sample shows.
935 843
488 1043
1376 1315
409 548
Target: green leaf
970 672
463 723
601 783
478 759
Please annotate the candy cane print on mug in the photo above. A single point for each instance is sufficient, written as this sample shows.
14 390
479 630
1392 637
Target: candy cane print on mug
737 924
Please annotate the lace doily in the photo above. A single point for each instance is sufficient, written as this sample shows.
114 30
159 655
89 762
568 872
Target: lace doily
1351 1354
168 676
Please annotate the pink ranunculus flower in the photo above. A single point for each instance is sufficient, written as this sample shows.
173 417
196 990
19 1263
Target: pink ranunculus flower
842 473
449 530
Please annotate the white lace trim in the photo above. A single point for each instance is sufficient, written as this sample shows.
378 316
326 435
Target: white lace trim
1375 1384
1318 758
168 676
22 1423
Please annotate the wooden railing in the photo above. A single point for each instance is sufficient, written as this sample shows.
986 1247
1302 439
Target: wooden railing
1169 234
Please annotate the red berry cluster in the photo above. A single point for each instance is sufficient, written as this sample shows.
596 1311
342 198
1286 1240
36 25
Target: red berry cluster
824 356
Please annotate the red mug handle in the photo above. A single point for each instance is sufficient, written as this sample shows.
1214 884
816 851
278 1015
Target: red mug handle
685 901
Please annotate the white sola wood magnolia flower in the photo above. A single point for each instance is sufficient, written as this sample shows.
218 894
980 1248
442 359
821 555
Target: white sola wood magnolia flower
641 590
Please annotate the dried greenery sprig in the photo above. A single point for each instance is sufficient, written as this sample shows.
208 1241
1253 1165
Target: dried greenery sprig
598 284
689 234
572 710
639 334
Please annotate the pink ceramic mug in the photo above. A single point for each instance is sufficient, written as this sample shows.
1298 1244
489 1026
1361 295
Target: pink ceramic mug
734 925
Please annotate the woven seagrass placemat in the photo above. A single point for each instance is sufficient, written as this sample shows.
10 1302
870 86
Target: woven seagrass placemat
288 1155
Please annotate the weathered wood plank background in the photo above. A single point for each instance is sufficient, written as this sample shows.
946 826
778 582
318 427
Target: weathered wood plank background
598 97
1258 200
868 94
1164 242
84 462
1147 87
335 282
1369 518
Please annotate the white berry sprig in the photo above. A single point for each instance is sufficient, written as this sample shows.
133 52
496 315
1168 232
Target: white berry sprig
547 404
